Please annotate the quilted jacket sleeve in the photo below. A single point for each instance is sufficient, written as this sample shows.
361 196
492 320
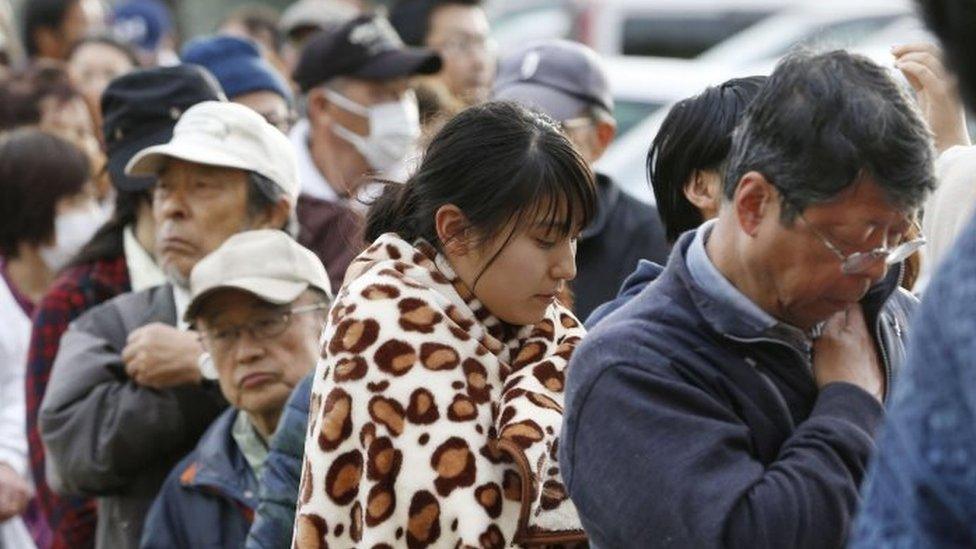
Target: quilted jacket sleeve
101 429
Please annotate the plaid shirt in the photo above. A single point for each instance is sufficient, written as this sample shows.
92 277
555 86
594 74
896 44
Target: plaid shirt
72 519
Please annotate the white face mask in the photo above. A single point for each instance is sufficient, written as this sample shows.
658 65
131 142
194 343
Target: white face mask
394 127
72 230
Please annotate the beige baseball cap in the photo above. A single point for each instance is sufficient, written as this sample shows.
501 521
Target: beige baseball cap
265 262
228 135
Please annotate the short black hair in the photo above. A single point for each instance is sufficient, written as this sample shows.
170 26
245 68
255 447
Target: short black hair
953 22
43 14
821 122
696 135
411 18
31 185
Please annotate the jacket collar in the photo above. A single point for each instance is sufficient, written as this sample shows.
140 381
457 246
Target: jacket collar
219 464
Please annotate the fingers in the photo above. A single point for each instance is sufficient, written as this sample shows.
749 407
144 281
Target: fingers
919 76
927 61
917 47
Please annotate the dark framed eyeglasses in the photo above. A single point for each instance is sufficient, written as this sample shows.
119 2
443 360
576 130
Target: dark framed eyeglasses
221 338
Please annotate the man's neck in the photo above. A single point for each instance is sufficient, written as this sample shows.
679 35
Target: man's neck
264 424
724 249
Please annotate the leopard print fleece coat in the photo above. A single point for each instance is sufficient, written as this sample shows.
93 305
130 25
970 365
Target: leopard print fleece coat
432 422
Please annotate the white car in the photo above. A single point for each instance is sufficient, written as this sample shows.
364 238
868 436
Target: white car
882 24
817 24
666 28
642 85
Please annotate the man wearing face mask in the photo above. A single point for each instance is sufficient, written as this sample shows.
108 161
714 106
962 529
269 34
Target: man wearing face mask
567 81
362 115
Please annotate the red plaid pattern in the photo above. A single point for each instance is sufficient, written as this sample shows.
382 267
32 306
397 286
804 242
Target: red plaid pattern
72 519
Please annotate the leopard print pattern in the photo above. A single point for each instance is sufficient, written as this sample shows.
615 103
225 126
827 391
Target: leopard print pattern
432 423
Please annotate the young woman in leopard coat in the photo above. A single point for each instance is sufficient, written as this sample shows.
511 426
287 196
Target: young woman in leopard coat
436 411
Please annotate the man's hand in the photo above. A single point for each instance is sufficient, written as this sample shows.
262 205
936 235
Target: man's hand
936 92
160 356
846 352
15 493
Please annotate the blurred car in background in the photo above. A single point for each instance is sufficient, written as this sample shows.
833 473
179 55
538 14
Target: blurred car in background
869 27
815 24
643 85
664 28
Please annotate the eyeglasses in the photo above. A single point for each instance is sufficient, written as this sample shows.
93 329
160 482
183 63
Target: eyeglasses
860 262
222 338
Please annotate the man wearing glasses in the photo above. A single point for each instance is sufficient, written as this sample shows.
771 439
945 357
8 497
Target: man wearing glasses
733 403
260 324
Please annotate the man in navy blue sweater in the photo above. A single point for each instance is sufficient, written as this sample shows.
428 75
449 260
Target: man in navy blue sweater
733 402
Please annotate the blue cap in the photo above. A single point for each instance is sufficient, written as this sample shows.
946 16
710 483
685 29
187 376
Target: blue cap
142 23
237 64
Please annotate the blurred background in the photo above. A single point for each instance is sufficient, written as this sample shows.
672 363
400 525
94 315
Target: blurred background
656 51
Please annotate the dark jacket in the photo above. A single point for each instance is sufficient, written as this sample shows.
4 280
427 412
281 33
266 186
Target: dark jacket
208 499
333 231
275 516
685 428
107 436
72 519
921 485
645 273
624 231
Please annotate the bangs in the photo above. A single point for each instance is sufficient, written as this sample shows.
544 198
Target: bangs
563 198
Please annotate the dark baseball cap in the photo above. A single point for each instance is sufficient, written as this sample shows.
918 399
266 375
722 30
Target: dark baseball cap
558 77
140 109
366 47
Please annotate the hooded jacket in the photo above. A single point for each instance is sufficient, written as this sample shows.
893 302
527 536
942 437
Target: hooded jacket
687 427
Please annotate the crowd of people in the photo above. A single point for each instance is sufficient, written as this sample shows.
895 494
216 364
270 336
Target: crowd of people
349 277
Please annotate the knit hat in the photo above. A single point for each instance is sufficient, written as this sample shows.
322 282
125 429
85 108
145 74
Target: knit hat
142 23
237 64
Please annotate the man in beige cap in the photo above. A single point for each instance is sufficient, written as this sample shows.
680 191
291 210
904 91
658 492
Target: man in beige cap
119 411
260 322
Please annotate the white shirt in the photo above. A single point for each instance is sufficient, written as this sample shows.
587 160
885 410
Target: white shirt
14 343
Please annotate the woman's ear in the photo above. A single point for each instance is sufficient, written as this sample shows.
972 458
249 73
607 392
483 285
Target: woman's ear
702 190
453 230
